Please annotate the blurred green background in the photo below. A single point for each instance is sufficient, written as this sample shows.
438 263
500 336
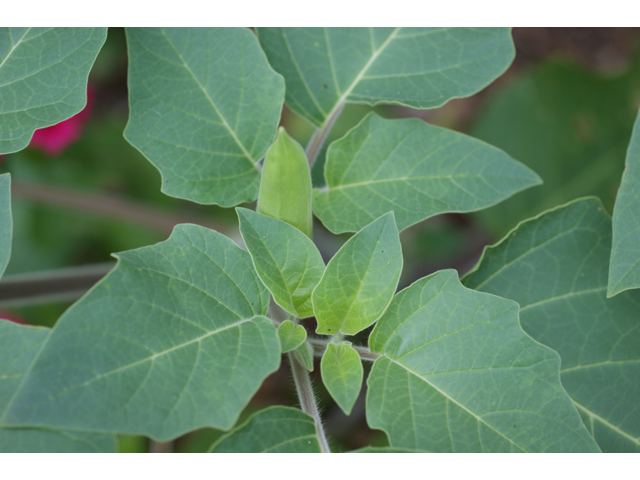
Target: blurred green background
565 108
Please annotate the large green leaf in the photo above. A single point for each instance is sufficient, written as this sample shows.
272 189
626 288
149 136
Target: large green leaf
458 374
555 266
43 78
342 374
272 430
173 339
205 106
19 346
286 260
6 222
418 67
567 123
415 169
624 270
360 280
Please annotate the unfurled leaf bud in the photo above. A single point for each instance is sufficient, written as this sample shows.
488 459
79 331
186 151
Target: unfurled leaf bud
285 189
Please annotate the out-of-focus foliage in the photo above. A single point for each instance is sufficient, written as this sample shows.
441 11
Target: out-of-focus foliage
568 124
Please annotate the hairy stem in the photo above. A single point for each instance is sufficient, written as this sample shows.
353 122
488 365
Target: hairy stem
320 345
318 138
308 399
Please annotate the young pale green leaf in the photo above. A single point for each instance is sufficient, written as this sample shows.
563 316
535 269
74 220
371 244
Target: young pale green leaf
415 169
342 374
304 354
272 430
624 270
173 339
286 260
285 187
291 336
205 106
19 346
418 67
6 222
43 78
555 266
360 280
458 374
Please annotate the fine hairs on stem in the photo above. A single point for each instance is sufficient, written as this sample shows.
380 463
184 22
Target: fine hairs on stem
307 398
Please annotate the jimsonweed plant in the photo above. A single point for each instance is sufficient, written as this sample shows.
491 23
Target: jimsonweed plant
536 350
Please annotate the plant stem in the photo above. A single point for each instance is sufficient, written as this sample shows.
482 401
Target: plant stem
308 399
161 447
61 285
320 345
106 205
317 140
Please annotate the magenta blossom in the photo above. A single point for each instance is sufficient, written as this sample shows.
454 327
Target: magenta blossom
55 139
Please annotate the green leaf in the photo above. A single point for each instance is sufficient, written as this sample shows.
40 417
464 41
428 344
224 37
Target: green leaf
458 374
285 187
415 169
272 430
304 354
43 74
6 222
360 280
286 260
19 346
173 339
43 78
569 124
417 67
624 270
291 335
555 266
205 106
342 374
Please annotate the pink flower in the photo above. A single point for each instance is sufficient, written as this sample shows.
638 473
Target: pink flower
12 317
55 139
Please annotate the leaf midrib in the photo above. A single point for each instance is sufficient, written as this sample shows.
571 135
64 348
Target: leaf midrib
14 46
592 415
452 400
122 368
359 76
208 97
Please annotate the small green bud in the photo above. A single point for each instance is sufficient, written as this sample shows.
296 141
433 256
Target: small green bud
285 188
